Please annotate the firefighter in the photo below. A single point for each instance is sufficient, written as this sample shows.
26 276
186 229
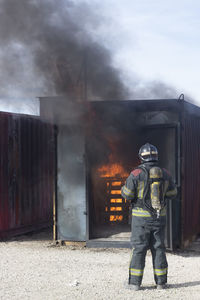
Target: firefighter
148 187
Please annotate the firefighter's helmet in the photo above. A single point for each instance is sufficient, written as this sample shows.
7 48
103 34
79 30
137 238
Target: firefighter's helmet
148 153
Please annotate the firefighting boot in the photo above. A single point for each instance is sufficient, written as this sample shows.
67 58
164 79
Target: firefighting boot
161 286
134 287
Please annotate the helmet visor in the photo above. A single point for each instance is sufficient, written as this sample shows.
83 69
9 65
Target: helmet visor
149 156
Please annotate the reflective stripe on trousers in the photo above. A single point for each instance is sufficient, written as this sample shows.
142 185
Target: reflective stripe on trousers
147 233
136 272
160 272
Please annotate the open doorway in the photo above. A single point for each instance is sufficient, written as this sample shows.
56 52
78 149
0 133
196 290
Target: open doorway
109 164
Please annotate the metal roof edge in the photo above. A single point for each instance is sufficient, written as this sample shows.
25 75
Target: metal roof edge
191 108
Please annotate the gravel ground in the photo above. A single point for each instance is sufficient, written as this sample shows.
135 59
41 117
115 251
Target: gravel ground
33 268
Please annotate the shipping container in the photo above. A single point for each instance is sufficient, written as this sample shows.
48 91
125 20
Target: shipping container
97 147
27 149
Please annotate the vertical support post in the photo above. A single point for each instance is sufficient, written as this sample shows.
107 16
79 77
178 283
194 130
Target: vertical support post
55 187
54 218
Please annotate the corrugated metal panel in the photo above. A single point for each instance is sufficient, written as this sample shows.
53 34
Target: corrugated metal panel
191 178
26 174
4 221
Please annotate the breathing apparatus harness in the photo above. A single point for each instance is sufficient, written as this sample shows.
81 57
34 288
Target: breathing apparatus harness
153 186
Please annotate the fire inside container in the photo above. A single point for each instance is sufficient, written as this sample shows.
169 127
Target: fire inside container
116 208
86 139
112 153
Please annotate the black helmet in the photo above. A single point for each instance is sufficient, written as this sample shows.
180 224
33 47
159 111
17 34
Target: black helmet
148 153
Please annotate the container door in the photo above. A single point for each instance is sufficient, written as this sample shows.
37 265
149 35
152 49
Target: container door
71 199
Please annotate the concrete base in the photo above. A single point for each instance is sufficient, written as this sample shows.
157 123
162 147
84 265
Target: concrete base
107 243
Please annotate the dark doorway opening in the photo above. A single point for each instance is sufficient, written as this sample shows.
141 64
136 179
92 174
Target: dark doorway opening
111 155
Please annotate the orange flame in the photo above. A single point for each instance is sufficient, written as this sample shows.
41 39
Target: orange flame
116 218
117 200
116 183
112 170
115 208
116 192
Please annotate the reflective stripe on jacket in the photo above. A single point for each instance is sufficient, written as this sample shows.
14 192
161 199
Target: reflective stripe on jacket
135 183
140 212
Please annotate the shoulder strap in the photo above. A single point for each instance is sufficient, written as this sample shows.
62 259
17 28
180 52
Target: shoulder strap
146 189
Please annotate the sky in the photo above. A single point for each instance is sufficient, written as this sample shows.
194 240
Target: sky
150 41
154 41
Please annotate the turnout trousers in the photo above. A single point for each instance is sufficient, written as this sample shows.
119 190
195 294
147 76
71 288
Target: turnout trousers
147 233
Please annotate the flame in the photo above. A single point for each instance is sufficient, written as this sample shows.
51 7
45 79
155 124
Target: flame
118 200
115 208
116 183
116 218
116 192
112 170
114 174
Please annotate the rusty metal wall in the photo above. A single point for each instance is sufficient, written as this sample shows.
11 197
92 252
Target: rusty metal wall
26 174
190 177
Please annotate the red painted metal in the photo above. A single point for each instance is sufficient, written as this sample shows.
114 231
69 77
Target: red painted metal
26 174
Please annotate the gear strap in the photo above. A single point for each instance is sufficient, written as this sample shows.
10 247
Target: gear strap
147 183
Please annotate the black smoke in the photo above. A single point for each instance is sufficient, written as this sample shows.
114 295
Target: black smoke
46 50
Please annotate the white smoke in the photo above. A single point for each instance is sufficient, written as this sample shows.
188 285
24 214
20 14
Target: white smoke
19 105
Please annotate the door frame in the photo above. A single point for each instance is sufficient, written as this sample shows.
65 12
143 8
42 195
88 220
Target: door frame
173 219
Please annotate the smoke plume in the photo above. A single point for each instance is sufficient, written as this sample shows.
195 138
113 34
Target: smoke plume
46 50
